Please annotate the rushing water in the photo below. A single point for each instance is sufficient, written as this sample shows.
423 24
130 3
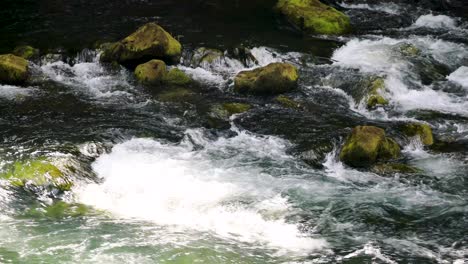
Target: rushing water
164 187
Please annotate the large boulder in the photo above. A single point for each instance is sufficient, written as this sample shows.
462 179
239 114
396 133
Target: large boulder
13 69
366 145
38 173
155 72
274 78
312 16
149 42
419 130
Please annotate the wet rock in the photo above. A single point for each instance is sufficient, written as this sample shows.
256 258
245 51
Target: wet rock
26 52
13 69
420 130
287 102
366 145
204 57
314 17
175 95
410 50
392 168
242 54
149 42
38 173
155 72
219 114
274 78
375 97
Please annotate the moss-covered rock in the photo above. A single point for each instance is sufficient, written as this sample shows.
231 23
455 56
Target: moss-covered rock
274 78
151 72
149 42
312 16
204 57
219 114
423 131
236 108
391 168
39 173
155 72
366 145
287 102
176 77
375 97
175 95
13 69
409 50
60 210
26 52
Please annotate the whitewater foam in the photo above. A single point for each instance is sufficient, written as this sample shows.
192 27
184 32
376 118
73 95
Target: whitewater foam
219 189
460 76
435 21
389 8
11 92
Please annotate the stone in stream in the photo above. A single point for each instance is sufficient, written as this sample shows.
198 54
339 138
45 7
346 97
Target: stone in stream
392 168
375 97
366 145
420 130
26 52
13 69
38 173
155 72
274 78
204 57
149 42
312 16
219 114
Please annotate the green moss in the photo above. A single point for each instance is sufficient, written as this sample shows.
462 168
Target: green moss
149 41
175 95
26 52
409 50
13 69
375 98
394 168
60 210
272 79
314 17
37 172
366 145
151 72
423 131
236 108
287 102
176 77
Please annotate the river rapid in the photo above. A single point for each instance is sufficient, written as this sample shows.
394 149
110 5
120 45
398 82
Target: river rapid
161 185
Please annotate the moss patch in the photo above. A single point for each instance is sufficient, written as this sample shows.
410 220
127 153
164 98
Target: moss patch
26 52
175 95
272 79
314 17
176 77
13 69
287 102
60 210
39 173
366 145
423 131
375 98
236 108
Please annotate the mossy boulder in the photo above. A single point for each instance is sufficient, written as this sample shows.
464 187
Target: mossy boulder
287 102
149 42
375 98
39 173
13 69
391 168
314 17
366 145
26 52
60 210
274 78
423 131
204 57
155 72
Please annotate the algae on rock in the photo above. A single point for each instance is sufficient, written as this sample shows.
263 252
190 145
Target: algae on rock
155 72
423 131
26 52
13 69
375 97
312 16
274 78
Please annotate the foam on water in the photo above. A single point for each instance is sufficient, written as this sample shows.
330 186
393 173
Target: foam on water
11 92
460 76
389 8
382 56
220 189
435 21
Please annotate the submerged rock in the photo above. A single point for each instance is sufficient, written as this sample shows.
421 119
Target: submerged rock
60 210
392 168
366 145
312 16
149 42
13 69
274 78
287 102
155 72
26 52
175 95
219 114
422 131
39 173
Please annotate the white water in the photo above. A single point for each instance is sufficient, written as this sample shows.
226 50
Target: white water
435 21
460 76
220 189
382 57
389 8
11 92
